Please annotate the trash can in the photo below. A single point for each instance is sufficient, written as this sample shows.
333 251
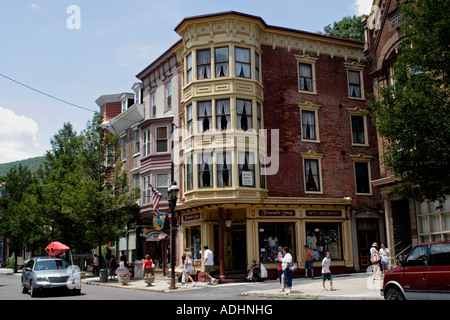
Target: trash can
104 275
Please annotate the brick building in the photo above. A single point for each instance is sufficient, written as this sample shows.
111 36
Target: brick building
304 178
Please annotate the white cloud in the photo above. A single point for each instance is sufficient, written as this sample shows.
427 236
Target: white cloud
363 6
35 6
17 136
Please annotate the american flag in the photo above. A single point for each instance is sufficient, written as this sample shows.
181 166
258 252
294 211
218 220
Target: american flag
156 198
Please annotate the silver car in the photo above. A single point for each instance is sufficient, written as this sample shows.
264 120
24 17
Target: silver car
42 273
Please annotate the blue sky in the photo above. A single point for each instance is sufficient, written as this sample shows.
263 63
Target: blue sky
115 41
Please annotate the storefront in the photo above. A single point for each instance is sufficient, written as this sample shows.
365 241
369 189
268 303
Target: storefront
257 231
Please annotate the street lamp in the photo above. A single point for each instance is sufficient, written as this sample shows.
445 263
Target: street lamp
173 195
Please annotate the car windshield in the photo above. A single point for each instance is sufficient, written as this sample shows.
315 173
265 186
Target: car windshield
51 265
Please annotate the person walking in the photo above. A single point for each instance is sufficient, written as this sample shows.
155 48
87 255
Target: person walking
279 259
326 273
188 263
148 266
96 265
287 273
375 259
385 253
309 262
208 262
113 265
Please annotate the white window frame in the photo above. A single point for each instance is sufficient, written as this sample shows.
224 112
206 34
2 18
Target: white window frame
312 155
306 59
309 106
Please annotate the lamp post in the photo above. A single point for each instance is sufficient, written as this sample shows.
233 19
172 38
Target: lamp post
173 195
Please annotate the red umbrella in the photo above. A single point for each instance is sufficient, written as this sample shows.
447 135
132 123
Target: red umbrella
56 248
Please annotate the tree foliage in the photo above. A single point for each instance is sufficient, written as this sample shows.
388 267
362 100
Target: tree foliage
349 28
413 114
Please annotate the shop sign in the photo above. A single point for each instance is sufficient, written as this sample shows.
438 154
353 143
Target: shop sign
276 213
156 236
191 217
323 213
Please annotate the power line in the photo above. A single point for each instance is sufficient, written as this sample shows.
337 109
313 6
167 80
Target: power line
46 94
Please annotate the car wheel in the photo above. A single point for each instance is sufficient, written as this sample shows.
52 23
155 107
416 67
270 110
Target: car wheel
33 291
76 292
394 294
24 289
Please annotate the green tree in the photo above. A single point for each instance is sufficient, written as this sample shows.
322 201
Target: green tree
15 222
107 202
413 115
56 198
349 28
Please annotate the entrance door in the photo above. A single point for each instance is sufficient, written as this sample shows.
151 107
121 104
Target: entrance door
239 248
367 235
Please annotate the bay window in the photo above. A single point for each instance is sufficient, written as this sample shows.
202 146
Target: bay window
242 64
221 61
203 64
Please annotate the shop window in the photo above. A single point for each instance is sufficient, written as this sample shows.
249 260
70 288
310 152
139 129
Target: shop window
324 237
272 236
194 242
223 114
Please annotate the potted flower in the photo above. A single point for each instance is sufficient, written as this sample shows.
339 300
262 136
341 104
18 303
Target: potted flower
125 277
149 279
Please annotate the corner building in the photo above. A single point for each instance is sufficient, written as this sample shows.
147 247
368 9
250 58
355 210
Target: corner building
275 147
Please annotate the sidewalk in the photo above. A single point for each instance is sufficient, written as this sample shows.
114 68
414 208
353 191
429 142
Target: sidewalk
357 286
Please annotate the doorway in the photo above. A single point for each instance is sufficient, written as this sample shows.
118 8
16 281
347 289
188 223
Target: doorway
235 248
367 235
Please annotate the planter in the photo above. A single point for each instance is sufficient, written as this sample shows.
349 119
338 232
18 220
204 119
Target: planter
149 280
125 280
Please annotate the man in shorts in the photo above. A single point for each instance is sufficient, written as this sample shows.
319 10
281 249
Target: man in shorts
208 262
326 273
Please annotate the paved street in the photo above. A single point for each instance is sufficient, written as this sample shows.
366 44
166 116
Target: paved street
348 287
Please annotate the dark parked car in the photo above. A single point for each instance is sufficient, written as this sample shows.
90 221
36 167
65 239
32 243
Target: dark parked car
42 273
424 274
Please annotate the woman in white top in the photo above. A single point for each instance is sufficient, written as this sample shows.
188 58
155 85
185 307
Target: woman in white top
286 262
375 259
384 251
188 267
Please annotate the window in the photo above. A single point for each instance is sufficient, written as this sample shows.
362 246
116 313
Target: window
189 68
358 129
161 139
272 235
258 116
137 96
146 189
244 114
434 220
312 177
204 64
257 67
162 183
193 241
306 77
204 116
324 237
146 143
439 255
417 257
123 148
137 141
262 172
354 84
136 180
362 177
223 114
224 166
189 173
169 96
154 105
189 118
246 164
221 60
124 105
308 125
242 57
205 167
